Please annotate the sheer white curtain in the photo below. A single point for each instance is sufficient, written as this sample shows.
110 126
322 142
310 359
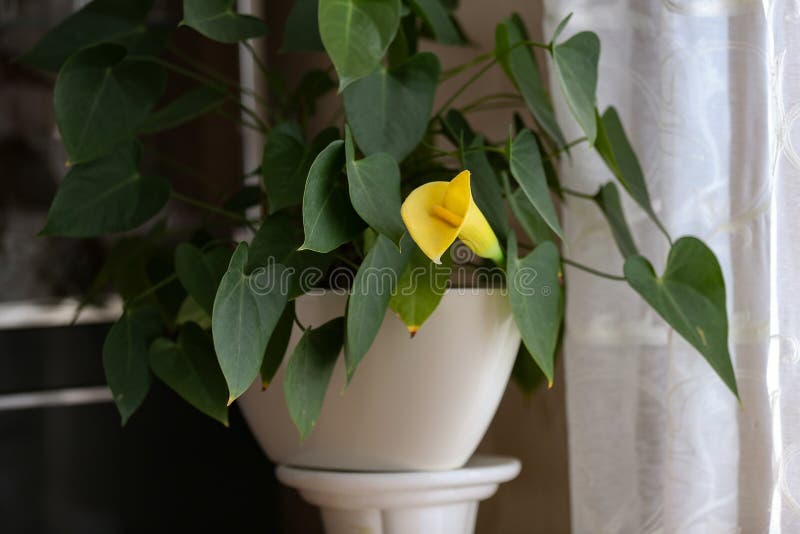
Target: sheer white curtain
709 92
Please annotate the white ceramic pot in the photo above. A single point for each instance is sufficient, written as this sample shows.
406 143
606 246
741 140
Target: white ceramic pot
413 404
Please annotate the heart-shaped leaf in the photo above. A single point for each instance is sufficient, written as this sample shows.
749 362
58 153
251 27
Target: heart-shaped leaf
102 98
329 219
528 218
200 273
301 33
104 196
286 162
537 301
389 110
374 184
277 241
560 28
125 357
575 63
186 107
520 67
190 368
373 286
218 20
438 20
278 343
607 198
420 288
309 371
690 296
356 34
282 166
456 128
526 167
191 312
246 309
526 373
486 189
117 21
615 149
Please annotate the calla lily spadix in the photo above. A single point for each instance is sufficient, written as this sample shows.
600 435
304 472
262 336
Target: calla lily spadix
437 213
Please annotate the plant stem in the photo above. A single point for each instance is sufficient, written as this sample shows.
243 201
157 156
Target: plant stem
578 194
152 289
217 76
465 86
297 321
593 271
458 69
239 120
549 156
198 77
347 261
208 207
488 98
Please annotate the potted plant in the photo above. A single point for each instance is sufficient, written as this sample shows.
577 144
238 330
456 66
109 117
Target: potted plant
355 227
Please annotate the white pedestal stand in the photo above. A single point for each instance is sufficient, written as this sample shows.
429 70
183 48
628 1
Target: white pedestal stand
429 502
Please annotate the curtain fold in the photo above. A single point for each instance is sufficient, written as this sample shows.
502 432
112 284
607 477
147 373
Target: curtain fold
709 93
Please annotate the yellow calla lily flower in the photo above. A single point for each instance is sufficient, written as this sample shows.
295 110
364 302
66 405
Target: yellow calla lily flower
437 213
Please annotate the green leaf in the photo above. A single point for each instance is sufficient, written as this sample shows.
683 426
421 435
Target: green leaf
125 357
313 85
525 372
356 34
188 106
374 184
286 162
520 67
277 241
373 286
329 219
116 21
104 196
420 288
690 296
246 197
191 312
560 28
218 20
526 167
607 198
200 273
486 189
309 371
190 368
438 19
389 109
246 309
278 343
529 219
456 128
301 33
282 166
537 301
575 63
615 149
102 98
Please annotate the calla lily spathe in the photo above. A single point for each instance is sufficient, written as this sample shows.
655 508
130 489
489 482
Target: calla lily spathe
437 213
